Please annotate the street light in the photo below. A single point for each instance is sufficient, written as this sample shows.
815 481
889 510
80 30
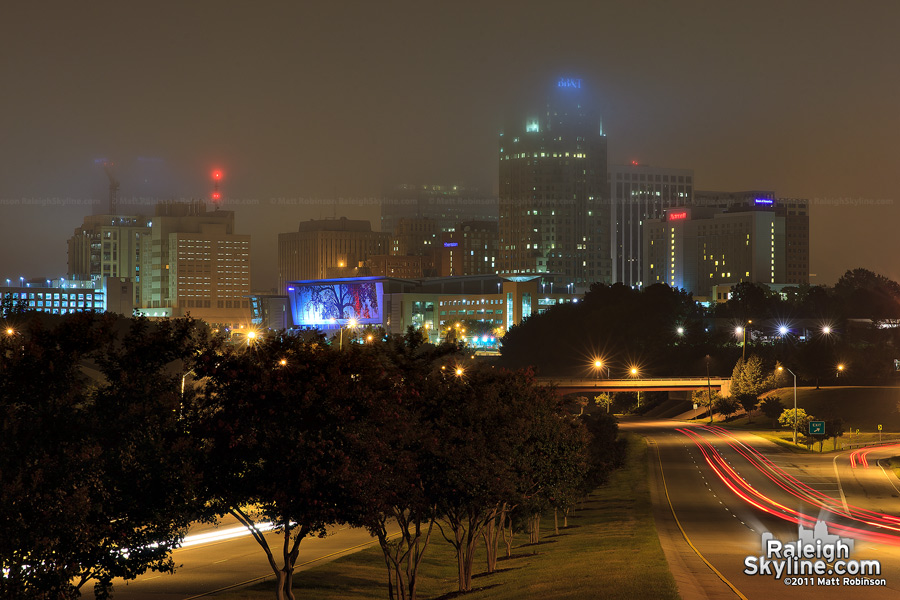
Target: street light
840 369
680 330
742 331
598 366
709 391
795 401
634 373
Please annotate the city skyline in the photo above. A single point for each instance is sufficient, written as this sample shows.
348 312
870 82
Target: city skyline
298 105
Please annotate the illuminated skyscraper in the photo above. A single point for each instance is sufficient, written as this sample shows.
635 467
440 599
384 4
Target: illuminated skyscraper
554 208
639 193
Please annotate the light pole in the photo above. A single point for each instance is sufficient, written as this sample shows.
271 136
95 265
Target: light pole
795 402
633 371
709 391
742 331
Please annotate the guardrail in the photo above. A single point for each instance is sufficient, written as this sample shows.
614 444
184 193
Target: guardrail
867 444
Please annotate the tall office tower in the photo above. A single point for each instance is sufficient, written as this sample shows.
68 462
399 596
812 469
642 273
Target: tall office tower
108 246
638 193
446 205
193 262
554 209
796 223
796 233
321 248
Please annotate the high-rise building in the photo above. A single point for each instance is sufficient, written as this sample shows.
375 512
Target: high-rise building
471 249
446 205
418 236
796 223
639 193
322 245
554 209
108 246
796 238
194 262
698 248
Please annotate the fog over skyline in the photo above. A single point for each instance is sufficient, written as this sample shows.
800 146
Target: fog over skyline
299 103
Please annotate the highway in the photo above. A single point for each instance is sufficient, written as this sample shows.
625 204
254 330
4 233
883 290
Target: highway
716 492
207 564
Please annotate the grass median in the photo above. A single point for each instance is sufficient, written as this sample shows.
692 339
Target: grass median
610 549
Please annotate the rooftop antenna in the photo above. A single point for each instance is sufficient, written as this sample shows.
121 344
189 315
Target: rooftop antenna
113 187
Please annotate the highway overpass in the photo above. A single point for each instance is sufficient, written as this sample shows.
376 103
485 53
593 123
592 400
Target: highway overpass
644 384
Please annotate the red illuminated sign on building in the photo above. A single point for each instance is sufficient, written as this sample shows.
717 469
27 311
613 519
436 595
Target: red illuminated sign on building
677 216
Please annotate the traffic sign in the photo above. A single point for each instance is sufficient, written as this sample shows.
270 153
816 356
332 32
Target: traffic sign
817 428
879 427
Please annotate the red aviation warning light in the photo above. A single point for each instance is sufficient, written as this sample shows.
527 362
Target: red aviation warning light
216 194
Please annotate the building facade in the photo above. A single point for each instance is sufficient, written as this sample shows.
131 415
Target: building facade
194 263
446 205
108 246
66 296
477 308
470 249
796 223
320 245
696 249
639 193
554 209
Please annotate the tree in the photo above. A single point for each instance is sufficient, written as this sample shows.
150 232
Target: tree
703 397
749 380
279 439
605 399
726 405
10 306
99 480
392 456
835 428
772 407
501 439
802 420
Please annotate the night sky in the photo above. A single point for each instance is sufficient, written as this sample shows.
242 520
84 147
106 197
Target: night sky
302 102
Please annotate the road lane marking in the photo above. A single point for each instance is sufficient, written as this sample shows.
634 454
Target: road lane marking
684 533
837 476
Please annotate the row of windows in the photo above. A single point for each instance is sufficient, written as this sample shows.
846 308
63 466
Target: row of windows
649 177
57 296
480 311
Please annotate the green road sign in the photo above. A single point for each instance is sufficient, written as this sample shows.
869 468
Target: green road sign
817 428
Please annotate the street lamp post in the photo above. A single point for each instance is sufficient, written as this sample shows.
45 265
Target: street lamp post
795 402
742 331
709 390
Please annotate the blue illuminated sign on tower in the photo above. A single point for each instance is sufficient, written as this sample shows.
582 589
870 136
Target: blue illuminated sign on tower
568 82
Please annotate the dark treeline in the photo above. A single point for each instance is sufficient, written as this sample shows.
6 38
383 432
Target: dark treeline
662 331
116 435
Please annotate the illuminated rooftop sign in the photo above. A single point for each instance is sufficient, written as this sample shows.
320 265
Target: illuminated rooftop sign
678 216
451 244
567 82
764 201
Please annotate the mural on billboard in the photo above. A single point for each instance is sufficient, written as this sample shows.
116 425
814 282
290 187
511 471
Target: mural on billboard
319 304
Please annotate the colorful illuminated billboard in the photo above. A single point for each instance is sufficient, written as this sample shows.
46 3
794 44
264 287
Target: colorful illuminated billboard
336 303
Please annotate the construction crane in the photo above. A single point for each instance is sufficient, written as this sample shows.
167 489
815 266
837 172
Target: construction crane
113 186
